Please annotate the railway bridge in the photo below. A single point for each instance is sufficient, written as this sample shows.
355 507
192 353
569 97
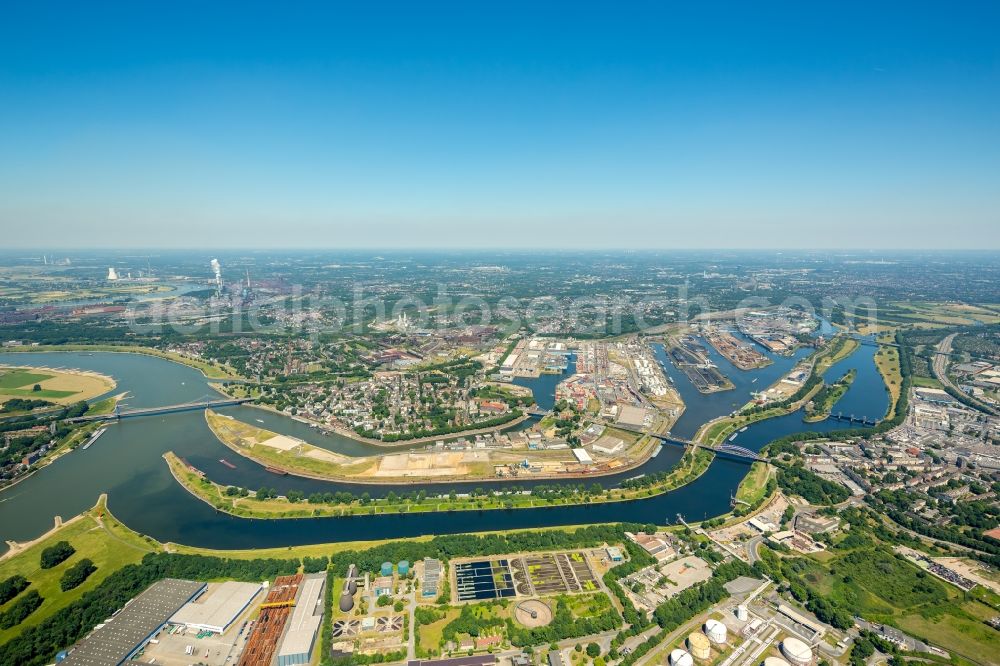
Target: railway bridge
725 449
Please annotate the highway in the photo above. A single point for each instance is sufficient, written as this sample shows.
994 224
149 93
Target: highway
939 368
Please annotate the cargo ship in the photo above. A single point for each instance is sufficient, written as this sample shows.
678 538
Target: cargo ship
227 463
93 438
275 470
659 447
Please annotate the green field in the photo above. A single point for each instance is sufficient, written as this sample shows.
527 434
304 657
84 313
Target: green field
883 587
101 541
19 383
753 487
13 379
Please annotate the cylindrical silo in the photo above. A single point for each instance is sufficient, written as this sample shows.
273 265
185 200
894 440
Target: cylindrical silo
716 631
681 658
796 651
699 645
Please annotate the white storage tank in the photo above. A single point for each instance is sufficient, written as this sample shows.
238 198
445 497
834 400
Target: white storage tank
775 661
796 651
716 631
681 658
741 613
699 646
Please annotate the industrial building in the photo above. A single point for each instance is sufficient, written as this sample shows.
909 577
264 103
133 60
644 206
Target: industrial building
218 607
474 660
263 640
117 640
432 577
383 586
806 626
300 636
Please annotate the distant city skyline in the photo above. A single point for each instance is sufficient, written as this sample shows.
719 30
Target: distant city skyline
510 126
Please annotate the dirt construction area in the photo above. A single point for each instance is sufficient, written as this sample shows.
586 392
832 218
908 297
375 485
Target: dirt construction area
429 464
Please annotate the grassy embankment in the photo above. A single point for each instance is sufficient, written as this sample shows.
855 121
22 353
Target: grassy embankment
95 535
887 362
753 487
689 468
105 406
210 370
824 400
839 348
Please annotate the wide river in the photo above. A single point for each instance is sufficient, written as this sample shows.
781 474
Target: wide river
127 462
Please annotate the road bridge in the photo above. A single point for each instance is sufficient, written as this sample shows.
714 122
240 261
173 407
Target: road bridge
119 414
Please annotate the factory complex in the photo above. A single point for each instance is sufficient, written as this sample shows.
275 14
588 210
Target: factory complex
181 622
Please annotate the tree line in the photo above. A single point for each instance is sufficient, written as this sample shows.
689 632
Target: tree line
37 645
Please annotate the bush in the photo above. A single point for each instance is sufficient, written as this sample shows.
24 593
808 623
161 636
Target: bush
56 554
76 574
12 587
315 564
593 650
20 609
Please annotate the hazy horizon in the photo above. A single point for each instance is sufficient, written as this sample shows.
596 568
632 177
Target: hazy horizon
452 126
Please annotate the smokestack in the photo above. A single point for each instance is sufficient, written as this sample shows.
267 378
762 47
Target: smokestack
217 269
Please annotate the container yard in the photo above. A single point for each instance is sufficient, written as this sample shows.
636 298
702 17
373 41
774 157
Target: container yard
692 359
741 354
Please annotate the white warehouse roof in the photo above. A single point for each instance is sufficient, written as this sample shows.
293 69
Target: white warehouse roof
218 607
296 646
582 456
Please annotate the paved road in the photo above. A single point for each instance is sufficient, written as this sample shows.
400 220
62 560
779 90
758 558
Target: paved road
940 363
939 368
751 546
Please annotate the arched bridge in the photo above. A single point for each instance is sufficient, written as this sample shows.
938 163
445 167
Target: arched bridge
738 451
725 450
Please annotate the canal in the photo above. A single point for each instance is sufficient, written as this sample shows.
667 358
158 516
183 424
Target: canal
127 463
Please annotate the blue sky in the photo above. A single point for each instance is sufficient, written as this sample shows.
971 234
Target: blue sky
667 125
